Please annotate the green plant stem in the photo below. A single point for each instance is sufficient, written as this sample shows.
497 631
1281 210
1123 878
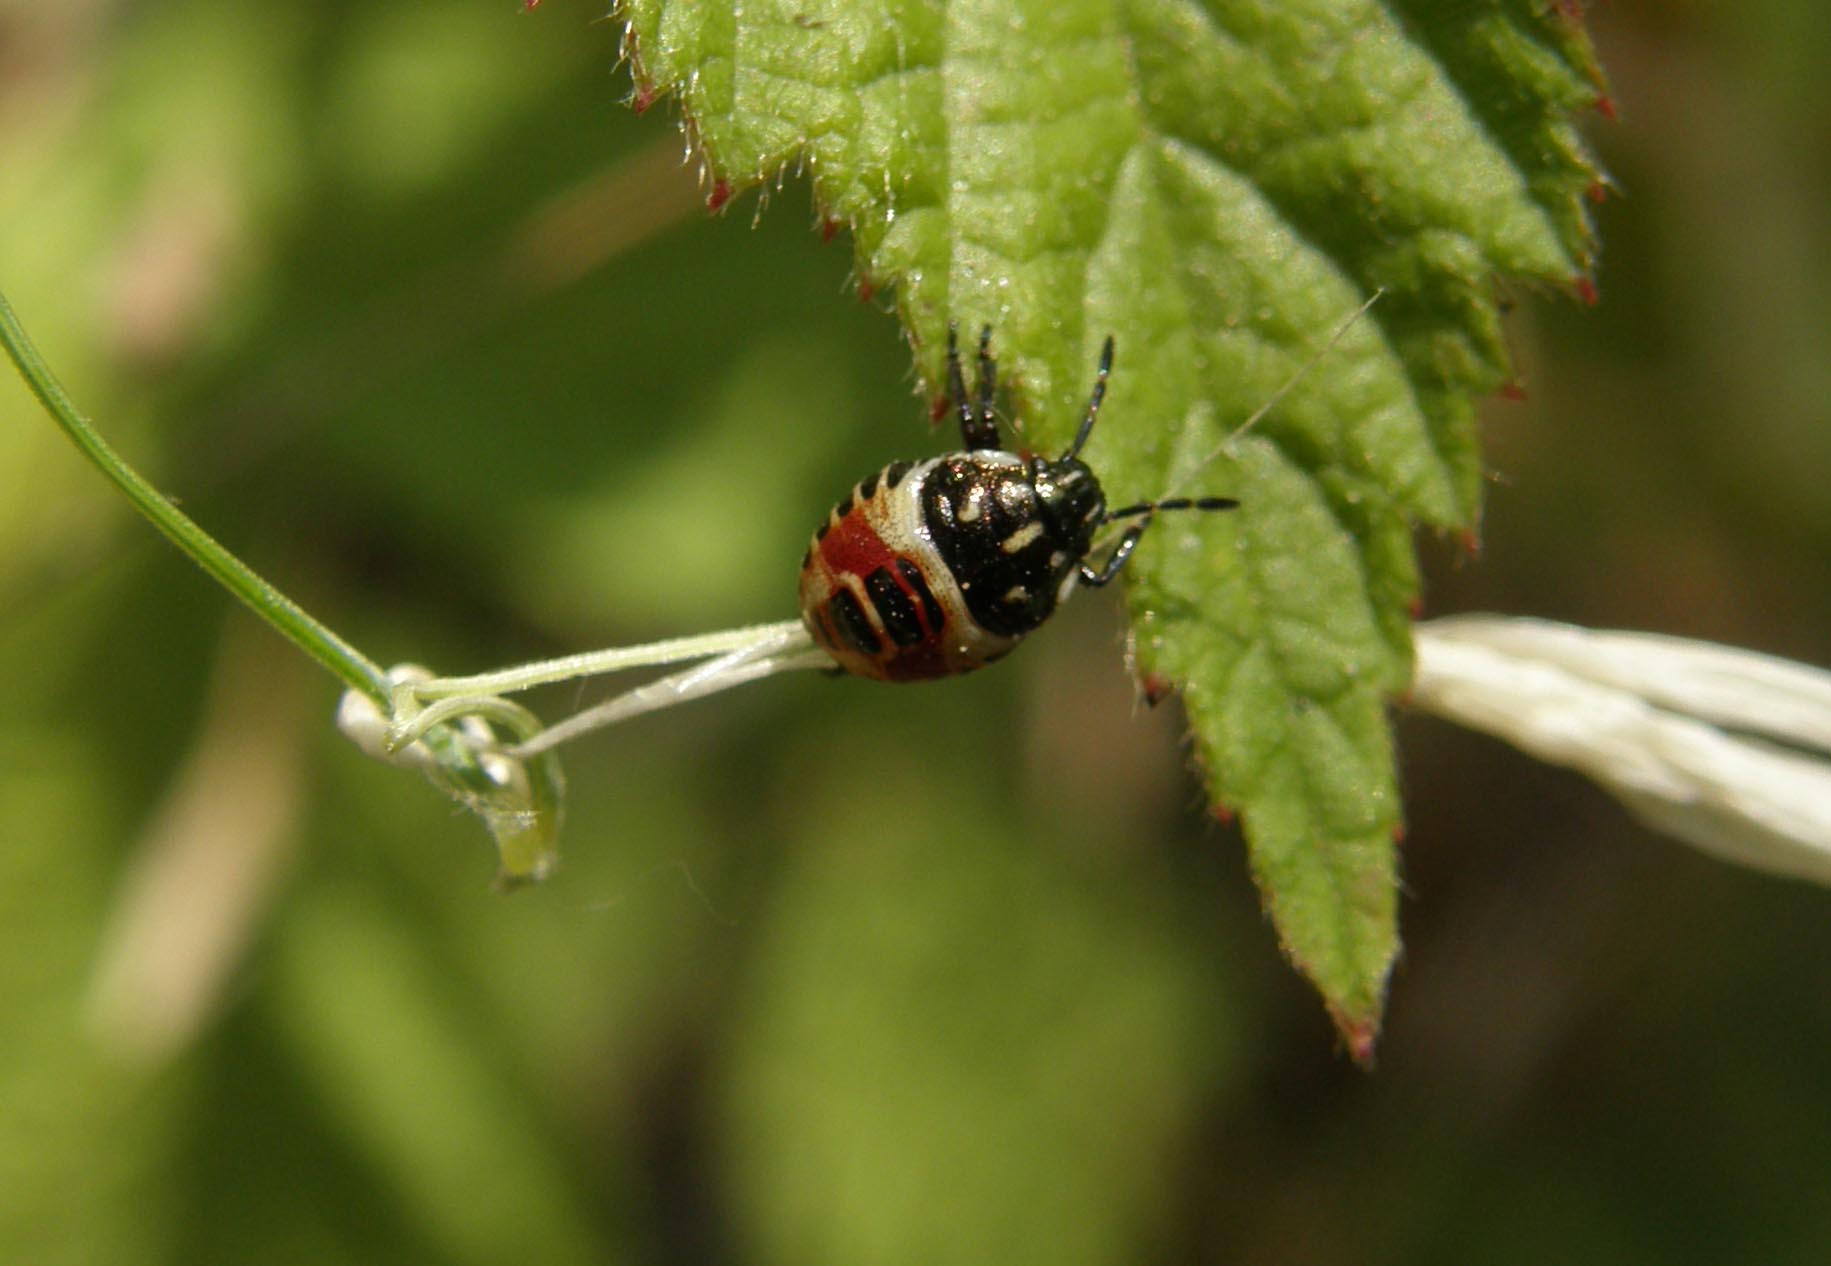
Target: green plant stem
350 665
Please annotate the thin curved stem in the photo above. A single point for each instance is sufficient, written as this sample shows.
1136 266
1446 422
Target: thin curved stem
350 665
734 669
490 708
544 672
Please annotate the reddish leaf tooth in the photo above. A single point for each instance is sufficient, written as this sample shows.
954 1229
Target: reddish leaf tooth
1360 1035
1585 286
1156 689
643 98
720 195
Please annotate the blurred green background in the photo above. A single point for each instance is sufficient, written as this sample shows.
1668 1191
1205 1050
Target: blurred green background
415 315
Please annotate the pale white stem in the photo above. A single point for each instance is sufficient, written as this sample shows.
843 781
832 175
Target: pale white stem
733 657
1641 714
470 709
453 728
1743 690
722 673
363 722
614 660
518 800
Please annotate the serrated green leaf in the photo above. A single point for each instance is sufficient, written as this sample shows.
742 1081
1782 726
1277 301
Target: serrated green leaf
1218 185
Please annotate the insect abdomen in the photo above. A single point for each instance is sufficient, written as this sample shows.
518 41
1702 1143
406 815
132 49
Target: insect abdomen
877 594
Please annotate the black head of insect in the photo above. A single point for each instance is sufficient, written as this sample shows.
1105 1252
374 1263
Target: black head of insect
1070 502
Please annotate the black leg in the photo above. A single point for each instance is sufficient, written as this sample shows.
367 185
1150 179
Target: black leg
1122 551
1144 512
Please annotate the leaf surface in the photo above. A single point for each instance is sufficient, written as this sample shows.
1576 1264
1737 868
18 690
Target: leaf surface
1218 185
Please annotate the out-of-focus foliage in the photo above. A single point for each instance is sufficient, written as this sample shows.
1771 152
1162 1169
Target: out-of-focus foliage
411 312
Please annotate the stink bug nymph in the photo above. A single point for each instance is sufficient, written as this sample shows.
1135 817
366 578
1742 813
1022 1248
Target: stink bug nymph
926 569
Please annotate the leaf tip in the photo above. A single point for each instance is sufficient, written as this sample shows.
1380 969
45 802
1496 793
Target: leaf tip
1605 106
1359 1033
720 195
643 97
829 228
1585 286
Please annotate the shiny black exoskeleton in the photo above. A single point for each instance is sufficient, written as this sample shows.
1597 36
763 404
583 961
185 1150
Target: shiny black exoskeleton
1016 532
929 569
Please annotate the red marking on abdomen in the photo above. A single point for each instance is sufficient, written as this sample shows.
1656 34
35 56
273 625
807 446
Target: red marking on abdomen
844 557
853 545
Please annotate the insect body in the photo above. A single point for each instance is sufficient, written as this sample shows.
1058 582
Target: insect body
932 568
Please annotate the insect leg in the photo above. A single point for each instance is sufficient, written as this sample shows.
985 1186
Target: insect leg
1144 512
1116 560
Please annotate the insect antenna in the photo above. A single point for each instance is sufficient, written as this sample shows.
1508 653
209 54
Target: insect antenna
1093 401
1277 397
956 381
978 425
988 386
1147 510
1173 503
